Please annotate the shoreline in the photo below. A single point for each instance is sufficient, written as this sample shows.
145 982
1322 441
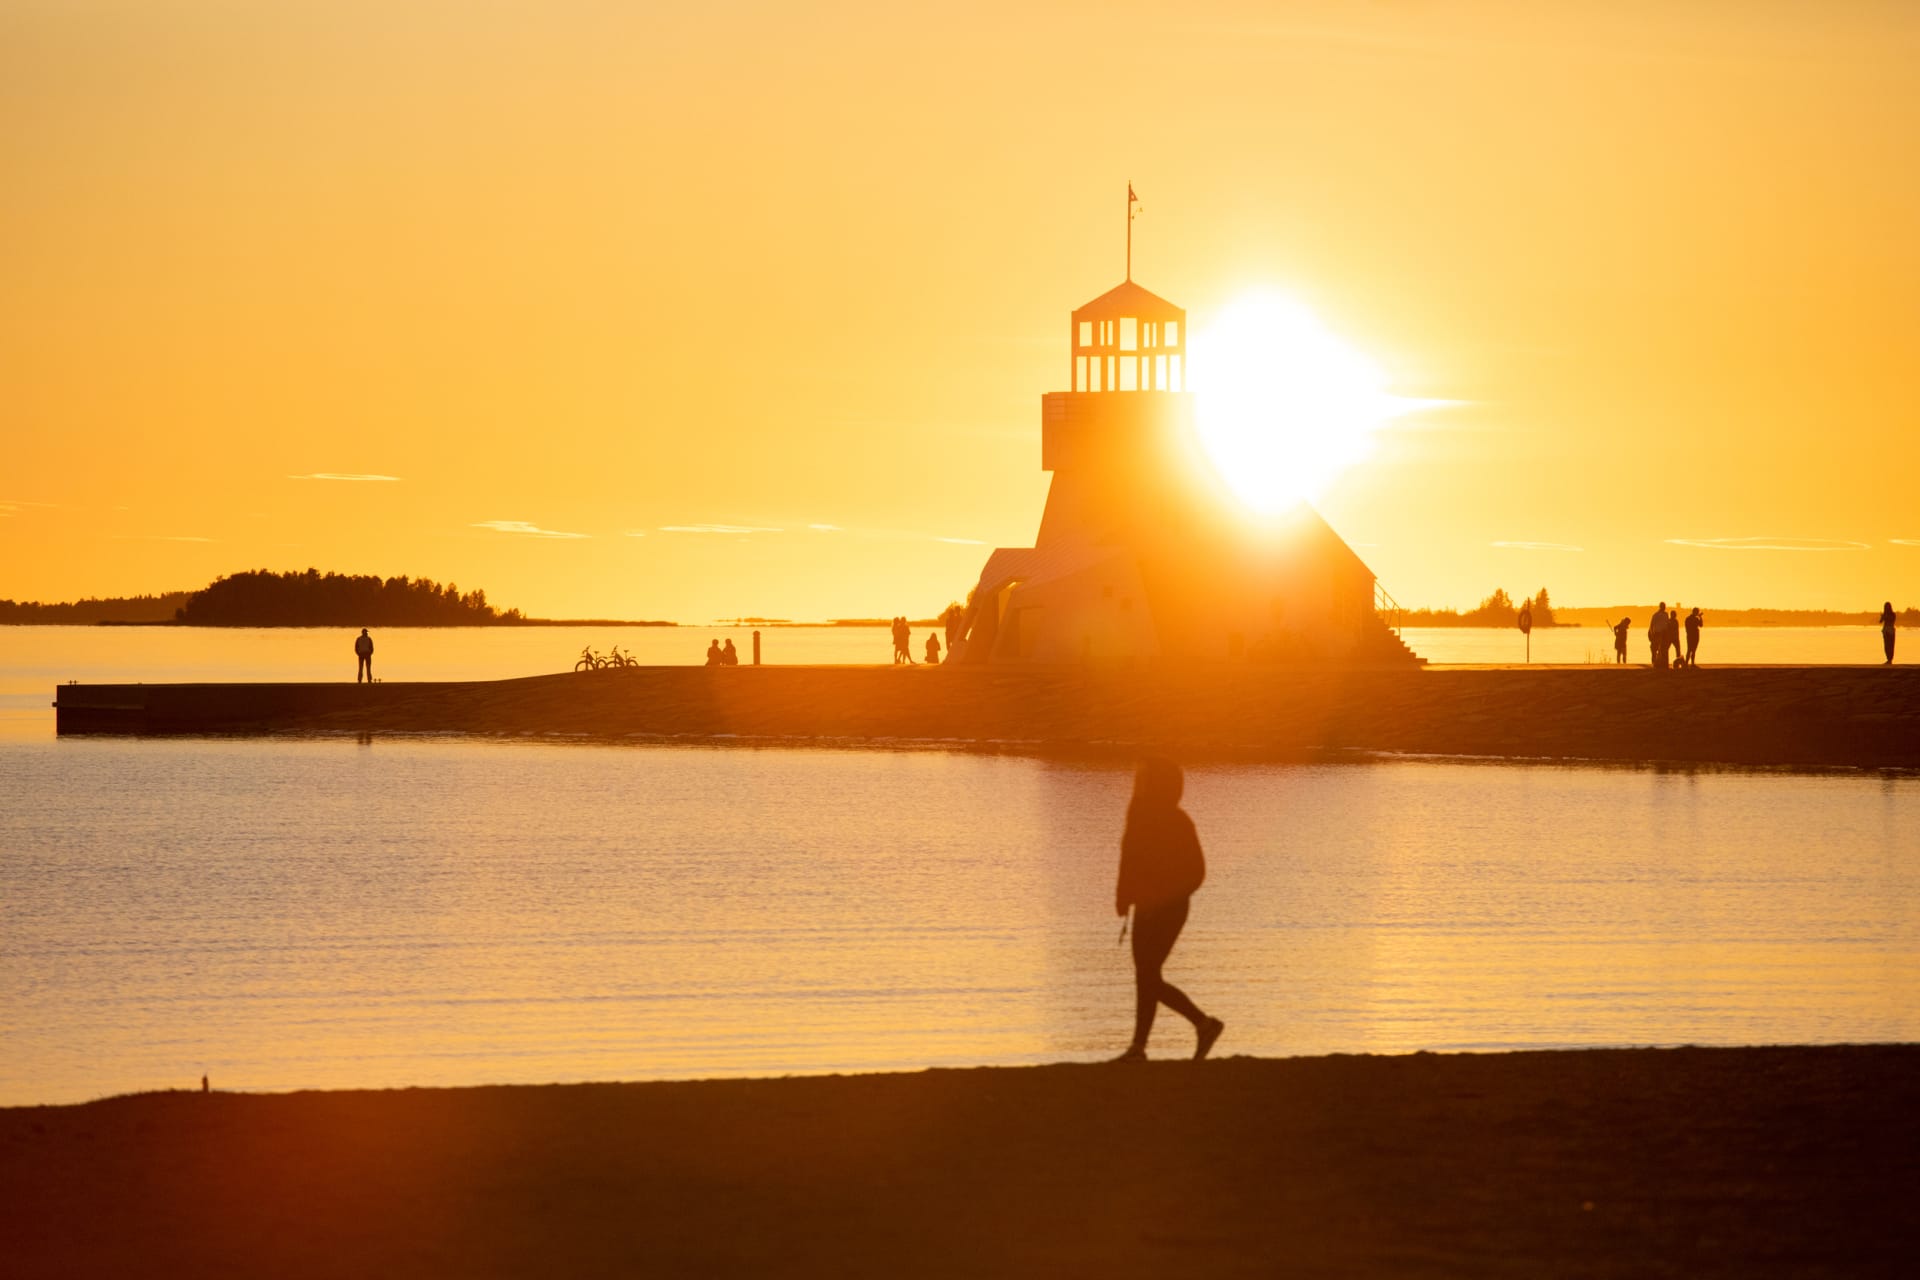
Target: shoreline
1808 717
1769 1161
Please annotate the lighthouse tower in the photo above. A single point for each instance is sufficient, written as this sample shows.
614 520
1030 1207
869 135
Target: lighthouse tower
1141 552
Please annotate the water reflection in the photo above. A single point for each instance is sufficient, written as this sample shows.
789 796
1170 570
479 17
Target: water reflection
289 914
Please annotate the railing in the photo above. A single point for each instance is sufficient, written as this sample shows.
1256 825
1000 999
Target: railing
1387 608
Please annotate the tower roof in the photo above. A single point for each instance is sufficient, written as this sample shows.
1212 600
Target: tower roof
1129 299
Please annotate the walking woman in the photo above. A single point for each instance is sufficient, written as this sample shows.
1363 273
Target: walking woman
1887 623
1160 867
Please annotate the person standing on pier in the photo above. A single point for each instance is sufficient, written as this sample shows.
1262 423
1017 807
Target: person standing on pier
1160 868
1657 637
1694 623
1620 640
1887 623
363 649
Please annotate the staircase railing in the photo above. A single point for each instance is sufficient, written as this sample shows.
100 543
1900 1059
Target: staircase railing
1387 607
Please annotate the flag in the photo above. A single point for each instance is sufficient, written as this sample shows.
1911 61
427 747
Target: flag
1132 198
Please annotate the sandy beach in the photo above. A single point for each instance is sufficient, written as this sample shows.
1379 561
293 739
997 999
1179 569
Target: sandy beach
1687 1162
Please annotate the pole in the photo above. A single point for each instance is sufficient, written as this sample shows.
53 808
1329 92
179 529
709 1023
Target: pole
756 648
1130 203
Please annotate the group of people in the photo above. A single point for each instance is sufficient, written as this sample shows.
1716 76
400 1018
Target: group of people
903 644
723 657
1666 626
1663 637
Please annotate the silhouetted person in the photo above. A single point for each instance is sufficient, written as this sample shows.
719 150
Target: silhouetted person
1657 637
1673 636
1694 623
1620 639
729 656
1887 623
902 641
715 658
933 648
363 649
1160 868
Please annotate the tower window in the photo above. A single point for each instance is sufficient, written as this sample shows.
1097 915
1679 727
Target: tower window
1086 333
1173 333
1129 334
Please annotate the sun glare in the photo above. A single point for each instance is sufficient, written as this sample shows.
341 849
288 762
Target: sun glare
1284 405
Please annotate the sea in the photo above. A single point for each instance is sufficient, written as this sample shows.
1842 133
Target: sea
349 912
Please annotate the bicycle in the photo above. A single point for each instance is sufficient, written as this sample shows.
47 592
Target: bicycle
589 660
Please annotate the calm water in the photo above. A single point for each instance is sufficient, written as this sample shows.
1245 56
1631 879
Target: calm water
287 913
35 659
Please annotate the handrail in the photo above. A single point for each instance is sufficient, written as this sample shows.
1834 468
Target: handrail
1387 608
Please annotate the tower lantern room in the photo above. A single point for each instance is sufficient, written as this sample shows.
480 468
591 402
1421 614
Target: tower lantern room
1129 339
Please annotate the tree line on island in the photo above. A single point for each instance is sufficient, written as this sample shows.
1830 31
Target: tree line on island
1502 610
1497 610
262 598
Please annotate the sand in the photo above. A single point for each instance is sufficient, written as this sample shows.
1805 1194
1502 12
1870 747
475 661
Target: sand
1864 717
1691 1162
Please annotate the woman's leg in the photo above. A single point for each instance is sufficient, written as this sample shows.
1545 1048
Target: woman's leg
1154 933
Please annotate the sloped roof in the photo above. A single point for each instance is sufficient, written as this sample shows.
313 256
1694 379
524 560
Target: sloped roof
1129 299
1036 564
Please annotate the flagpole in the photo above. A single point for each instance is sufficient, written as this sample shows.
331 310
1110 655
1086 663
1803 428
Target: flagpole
1129 229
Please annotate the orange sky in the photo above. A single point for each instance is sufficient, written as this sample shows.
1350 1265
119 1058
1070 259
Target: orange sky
616 270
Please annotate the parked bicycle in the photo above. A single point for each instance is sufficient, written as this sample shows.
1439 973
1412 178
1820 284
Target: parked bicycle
614 660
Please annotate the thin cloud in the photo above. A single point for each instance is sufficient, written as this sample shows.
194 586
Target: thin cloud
826 528
1771 544
1905 542
345 475
716 528
964 542
633 533
522 527
1537 546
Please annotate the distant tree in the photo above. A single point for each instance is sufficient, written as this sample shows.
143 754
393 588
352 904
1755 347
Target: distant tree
1497 610
87 612
1542 610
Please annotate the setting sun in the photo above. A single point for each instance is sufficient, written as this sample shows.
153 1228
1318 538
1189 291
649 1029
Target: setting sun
1284 405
